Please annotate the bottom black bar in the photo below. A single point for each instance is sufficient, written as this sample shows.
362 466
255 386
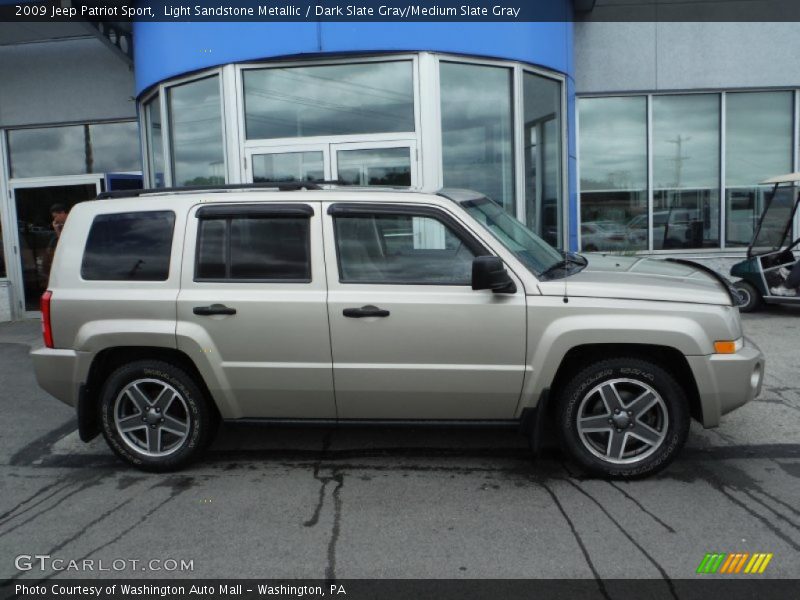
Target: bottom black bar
749 587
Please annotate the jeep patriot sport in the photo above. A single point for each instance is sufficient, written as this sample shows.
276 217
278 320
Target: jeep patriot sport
168 311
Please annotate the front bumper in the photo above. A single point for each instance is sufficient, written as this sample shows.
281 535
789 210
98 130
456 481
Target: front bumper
60 372
727 381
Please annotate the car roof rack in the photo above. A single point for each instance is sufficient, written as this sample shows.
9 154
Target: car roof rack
282 186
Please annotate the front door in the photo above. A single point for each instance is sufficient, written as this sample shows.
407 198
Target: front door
410 337
251 309
388 163
38 232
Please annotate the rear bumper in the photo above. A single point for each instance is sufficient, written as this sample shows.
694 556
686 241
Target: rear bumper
60 372
727 381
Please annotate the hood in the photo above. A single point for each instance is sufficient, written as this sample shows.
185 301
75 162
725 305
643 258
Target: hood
635 278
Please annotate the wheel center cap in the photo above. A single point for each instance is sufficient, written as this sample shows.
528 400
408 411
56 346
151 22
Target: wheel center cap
152 416
621 420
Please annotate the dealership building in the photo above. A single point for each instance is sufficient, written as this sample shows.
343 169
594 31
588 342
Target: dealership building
635 137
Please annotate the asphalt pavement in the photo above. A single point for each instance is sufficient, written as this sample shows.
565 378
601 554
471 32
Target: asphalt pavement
391 502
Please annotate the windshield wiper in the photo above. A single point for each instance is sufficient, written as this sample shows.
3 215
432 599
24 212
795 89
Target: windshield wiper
569 258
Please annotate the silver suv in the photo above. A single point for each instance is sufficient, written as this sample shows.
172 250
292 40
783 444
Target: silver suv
170 311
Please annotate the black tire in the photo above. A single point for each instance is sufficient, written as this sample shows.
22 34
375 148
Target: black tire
625 379
750 298
188 421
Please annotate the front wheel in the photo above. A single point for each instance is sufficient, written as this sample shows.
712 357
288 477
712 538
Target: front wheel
749 298
154 415
623 418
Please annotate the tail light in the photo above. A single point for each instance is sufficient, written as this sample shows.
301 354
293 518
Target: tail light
47 329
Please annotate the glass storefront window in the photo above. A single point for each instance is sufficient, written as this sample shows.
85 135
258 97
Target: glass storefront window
477 132
74 149
115 147
613 170
47 151
758 145
329 100
686 204
378 166
542 144
195 115
154 141
288 166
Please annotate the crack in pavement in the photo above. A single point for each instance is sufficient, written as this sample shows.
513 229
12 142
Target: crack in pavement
91 481
578 539
338 477
641 507
64 479
645 553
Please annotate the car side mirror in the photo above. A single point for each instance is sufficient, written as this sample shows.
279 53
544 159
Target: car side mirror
489 273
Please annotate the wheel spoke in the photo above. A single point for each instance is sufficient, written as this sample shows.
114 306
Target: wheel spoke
138 398
642 404
595 424
154 439
174 426
131 424
164 399
616 444
610 397
647 434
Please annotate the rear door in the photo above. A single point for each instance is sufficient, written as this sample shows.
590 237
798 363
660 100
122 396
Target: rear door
252 310
410 337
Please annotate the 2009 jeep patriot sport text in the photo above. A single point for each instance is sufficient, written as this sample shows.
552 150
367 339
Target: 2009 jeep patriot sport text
167 312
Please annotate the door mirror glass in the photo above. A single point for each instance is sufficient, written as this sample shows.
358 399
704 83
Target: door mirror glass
489 273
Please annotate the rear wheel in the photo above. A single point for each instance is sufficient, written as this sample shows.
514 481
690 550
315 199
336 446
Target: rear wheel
750 299
154 416
623 418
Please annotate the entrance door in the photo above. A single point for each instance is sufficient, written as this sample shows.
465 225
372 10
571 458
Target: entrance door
391 163
36 237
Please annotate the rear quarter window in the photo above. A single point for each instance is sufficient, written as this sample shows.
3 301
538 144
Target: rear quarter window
134 246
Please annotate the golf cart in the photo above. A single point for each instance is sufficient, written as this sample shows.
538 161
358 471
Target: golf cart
771 247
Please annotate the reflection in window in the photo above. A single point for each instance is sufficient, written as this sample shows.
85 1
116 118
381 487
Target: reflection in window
477 138
288 166
115 147
379 166
155 144
613 154
129 247
47 151
196 127
254 249
329 100
685 172
397 249
758 145
542 131
74 149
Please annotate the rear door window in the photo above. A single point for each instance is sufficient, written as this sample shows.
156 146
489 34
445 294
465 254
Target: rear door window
134 246
254 243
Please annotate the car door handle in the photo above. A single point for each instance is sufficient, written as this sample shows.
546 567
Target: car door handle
214 309
365 311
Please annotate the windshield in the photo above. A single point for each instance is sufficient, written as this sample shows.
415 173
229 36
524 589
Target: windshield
536 254
776 220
